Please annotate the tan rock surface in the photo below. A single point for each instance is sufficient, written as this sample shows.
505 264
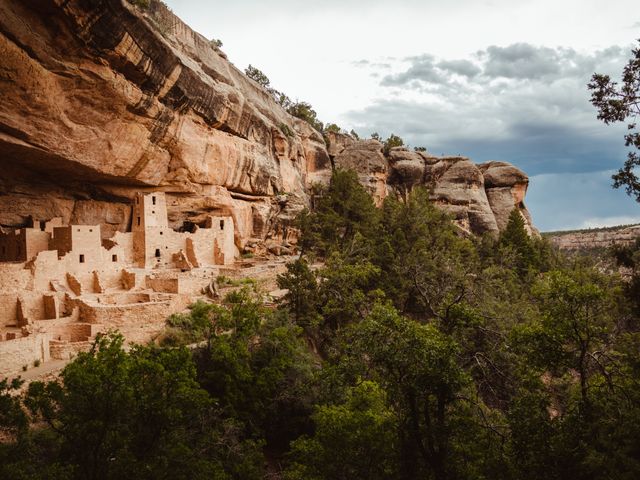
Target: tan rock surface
101 100
366 158
506 187
598 238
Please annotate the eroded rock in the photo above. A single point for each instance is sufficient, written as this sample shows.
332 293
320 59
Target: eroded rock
101 100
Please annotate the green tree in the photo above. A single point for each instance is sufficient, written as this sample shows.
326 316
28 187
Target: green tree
13 418
301 298
258 76
431 396
619 103
332 127
345 217
515 242
427 268
391 142
258 369
305 111
578 316
130 415
352 440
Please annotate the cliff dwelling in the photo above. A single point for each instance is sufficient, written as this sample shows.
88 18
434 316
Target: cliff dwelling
62 284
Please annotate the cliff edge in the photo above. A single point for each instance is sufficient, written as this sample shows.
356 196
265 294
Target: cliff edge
101 100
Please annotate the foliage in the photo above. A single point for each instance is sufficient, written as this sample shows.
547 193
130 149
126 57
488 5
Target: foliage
354 439
284 128
423 259
13 418
258 76
628 257
144 4
344 216
196 326
332 127
619 103
257 368
401 350
217 43
131 415
305 111
391 142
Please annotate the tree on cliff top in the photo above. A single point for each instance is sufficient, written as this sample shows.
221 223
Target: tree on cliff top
618 103
258 76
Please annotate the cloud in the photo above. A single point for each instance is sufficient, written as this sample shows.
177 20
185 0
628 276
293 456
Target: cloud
423 69
522 103
522 60
460 67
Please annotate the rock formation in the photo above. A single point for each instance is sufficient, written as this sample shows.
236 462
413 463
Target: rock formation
101 99
480 197
597 238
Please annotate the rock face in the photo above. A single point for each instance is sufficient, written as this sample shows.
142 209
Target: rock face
598 238
479 197
101 100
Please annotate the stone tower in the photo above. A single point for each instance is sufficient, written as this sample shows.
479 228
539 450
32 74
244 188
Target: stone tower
151 230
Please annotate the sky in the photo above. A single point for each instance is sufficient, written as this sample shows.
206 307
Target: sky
490 80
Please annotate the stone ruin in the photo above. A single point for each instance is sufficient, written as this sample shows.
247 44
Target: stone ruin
62 284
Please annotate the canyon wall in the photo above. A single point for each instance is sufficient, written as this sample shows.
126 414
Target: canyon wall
101 100
595 239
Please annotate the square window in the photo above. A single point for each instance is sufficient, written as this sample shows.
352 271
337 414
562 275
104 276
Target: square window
114 258
221 224
153 199
81 258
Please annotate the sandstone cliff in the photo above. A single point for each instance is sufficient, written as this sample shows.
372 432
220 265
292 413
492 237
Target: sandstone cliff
479 196
101 100
594 239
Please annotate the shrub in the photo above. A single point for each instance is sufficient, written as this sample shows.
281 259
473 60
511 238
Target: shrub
284 128
144 4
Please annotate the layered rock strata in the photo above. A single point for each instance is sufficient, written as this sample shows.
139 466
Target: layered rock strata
101 100
598 238
480 197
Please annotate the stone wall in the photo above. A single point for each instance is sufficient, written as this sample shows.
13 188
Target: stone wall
61 350
23 351
138 322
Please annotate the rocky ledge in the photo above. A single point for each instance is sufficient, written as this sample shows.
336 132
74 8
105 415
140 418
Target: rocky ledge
597 238
101 100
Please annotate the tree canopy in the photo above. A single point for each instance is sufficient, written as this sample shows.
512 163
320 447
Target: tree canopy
401 349
619 103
